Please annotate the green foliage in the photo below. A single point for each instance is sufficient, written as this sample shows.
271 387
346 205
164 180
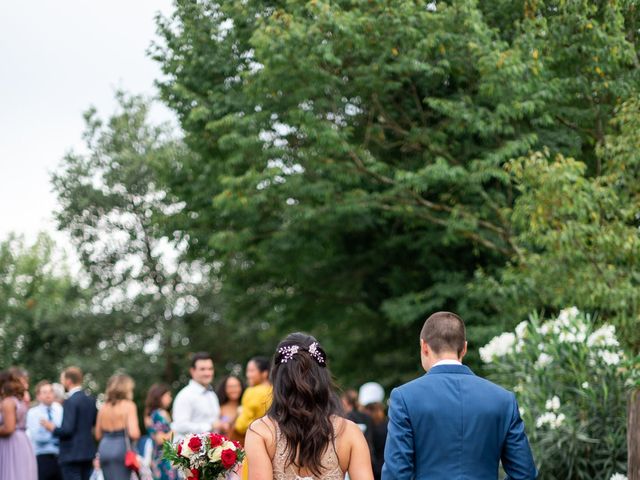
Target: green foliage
577 235
42 309
154 306
350 155
570 388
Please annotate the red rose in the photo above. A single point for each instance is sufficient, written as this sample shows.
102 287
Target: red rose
228 458
195 473
215 440
195 443
180 448
236 444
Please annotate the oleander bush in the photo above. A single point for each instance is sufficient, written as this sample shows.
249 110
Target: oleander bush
569 378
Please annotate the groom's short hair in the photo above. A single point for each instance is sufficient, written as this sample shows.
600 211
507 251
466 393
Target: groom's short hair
444 332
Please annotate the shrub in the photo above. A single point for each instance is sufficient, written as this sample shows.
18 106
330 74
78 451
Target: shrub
570 382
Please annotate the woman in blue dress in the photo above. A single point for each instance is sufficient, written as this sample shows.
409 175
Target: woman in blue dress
157 409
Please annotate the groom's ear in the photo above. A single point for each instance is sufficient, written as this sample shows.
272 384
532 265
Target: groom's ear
464 351
424 347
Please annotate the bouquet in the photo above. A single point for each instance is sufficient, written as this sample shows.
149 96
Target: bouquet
204 456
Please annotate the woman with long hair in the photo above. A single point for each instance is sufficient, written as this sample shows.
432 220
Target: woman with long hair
117 419
17 459
303 435
157 410
229 393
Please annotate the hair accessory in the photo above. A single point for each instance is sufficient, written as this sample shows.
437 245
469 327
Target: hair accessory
315 352
287 353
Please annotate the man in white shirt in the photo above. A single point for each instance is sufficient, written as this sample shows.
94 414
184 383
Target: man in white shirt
46 446
196 408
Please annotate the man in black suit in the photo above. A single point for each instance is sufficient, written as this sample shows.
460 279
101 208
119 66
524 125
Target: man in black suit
77 446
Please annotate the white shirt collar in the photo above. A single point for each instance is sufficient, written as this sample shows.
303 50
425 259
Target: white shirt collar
447 362
73 390
199 387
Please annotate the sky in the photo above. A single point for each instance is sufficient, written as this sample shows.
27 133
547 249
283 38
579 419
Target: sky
56 60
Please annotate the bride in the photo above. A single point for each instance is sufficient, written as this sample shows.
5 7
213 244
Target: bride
302 436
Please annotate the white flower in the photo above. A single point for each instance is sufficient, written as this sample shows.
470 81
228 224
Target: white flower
568 314
215 454
547 418
545 328
553 404
498 347
605 336
618 476
585 385
610 358
186 451
521 329
551 419
521 410
543 360
228 446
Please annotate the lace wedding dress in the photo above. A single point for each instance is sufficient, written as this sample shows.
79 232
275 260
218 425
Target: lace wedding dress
282 471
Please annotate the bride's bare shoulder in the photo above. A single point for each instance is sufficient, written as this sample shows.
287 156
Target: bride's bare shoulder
345 427
264 427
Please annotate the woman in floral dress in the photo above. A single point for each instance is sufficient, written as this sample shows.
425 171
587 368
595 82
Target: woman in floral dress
157 409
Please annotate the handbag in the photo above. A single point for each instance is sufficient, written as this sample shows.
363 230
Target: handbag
130 457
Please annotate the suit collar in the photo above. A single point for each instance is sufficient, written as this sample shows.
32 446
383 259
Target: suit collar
455 369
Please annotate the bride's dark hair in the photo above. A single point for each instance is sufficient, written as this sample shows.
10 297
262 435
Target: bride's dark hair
304 400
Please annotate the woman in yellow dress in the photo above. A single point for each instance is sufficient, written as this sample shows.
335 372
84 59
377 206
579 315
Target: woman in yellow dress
256 399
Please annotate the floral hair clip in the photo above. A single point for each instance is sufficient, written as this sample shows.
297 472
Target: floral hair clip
315 352
287 353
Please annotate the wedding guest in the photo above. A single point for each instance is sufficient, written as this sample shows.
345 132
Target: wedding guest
58 392
371 397
255 400
352 409
116 426
229 393
77 448
17 459
23 376
303 434
157 409
196 408
46 446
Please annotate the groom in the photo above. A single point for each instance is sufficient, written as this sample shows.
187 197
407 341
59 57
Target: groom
450 424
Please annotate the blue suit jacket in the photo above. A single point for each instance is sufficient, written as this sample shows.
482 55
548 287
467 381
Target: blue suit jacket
76 432
450 424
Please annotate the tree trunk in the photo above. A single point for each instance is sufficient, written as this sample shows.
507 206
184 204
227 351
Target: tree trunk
633 436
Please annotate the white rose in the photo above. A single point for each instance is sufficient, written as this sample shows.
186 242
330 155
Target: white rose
186 451
228 446
215 455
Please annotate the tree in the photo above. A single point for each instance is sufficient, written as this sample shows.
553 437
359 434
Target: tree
43 309
578 234
349 176
155 305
